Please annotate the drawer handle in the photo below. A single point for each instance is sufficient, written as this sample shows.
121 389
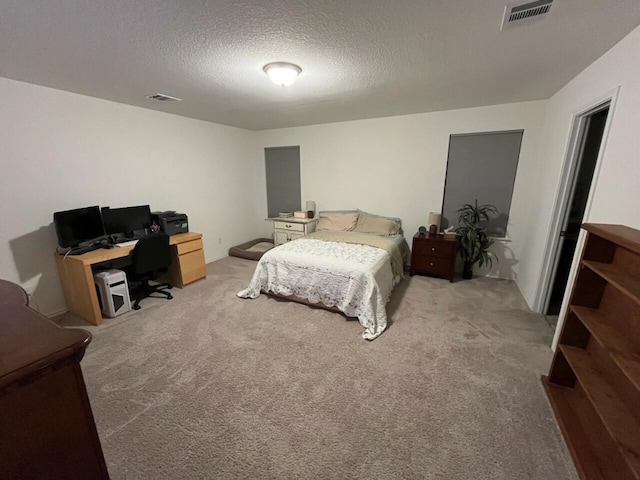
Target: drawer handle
433 249
431 264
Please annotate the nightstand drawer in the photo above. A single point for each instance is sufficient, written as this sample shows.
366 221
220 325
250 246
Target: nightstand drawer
297 227
436 265
440 249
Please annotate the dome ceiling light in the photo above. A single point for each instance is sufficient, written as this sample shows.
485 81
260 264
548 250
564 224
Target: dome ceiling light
282 73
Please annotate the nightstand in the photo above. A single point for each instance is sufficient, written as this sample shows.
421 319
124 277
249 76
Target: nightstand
287 229
433 255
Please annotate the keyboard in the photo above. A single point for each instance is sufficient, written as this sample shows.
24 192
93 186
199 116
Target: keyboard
127 244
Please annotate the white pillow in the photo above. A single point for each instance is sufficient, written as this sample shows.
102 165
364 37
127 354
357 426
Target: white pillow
377 225
337 221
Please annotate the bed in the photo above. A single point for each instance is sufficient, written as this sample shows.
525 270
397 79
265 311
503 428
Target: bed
351 263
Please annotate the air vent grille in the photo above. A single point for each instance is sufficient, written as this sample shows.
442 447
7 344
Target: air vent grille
159 97
517 14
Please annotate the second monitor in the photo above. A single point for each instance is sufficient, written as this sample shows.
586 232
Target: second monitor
127 221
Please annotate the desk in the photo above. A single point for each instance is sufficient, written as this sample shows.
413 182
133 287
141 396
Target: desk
76 272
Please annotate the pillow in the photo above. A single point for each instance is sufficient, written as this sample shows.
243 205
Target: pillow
337 221
377 225
338 211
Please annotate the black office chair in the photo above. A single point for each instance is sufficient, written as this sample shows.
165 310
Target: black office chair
151 257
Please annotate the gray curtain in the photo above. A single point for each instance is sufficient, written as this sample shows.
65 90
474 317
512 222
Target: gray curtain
481 166
283 179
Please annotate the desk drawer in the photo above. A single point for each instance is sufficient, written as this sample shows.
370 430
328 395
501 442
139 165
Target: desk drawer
192 266
437 265
297 227
191 246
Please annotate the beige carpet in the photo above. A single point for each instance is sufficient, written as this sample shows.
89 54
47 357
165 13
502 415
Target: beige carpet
210 386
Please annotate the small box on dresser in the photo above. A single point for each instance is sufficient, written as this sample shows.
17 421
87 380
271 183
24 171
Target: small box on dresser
433 255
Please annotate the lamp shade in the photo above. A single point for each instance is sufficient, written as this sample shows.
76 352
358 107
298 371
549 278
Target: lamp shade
282 73
434 219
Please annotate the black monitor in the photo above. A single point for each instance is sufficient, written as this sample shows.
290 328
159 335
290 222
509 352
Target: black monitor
77 226
127 221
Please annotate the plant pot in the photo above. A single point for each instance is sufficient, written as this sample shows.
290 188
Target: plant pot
467 270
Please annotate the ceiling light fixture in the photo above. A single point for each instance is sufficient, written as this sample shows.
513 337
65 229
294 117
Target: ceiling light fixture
282 73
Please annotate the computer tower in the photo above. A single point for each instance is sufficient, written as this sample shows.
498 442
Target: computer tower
113 292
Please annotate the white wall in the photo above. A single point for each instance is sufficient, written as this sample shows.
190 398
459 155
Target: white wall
62 151
396 166
617 190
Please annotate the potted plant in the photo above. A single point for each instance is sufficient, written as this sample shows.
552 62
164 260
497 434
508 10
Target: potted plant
473 240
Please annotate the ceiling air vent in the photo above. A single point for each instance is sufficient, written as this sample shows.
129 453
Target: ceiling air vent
159 97
518 14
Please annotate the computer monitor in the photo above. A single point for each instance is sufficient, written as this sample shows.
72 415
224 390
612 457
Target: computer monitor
77 226
127 221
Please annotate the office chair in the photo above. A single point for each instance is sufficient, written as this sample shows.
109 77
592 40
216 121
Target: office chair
151 257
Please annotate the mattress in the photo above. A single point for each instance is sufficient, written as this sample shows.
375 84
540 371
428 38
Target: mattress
355 272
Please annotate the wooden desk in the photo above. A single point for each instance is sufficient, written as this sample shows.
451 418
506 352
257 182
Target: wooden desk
46 424
76 272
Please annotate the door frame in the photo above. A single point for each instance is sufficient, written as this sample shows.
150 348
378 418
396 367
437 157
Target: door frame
561 203
581 127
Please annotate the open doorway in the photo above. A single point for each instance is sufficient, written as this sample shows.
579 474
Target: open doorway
589 140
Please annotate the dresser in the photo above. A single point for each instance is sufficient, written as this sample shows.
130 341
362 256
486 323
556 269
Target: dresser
433 255
46 425
287 229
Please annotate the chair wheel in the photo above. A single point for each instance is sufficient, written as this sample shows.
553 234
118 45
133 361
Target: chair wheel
170 296
136 307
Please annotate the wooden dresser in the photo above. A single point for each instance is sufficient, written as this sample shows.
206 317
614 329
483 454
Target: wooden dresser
46 425
433 255
594 380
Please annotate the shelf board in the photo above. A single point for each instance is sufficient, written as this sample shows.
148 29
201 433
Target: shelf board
606 335
622 235
627 284
583 453
629 364
615 416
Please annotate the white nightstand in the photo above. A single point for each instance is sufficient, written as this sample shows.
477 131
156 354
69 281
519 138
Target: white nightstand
287 229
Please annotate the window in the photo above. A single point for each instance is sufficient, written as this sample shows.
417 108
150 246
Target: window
283 179
481 166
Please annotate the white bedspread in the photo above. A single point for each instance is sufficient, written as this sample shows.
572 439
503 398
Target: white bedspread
355 278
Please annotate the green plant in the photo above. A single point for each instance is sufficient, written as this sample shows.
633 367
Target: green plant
474 242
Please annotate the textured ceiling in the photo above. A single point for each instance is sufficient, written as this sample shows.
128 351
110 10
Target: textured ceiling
360 58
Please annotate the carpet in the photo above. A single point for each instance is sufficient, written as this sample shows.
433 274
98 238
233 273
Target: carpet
211 386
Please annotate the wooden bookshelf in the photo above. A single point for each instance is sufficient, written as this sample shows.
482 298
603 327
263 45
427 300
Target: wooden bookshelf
593 384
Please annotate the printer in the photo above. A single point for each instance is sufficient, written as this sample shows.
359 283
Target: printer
171 222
